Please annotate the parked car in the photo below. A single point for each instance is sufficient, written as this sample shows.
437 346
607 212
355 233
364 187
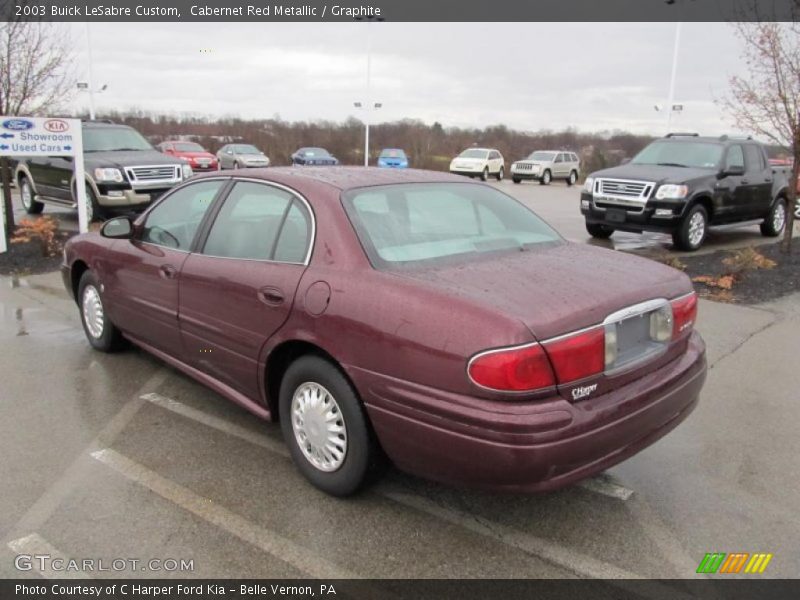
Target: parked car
195 155
241 156
404 312
545 165
392 158
313 156
123 173
683 184
480 162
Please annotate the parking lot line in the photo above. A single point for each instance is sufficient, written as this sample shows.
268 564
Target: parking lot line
35 545
304 560
603 484
259 439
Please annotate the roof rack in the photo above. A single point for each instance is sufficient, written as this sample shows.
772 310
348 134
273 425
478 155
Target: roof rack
723 138
670 135
106 121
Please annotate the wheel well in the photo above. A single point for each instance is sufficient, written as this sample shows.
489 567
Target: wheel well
76 272
706 203
280 359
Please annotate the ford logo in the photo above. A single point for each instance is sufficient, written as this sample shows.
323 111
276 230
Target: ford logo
17 124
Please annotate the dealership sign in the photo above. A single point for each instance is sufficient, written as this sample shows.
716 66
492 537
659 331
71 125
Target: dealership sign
29 137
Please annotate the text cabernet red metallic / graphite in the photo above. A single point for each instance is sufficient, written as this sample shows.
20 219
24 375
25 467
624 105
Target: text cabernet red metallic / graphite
202 10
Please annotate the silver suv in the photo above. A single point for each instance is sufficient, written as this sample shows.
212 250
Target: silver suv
546 165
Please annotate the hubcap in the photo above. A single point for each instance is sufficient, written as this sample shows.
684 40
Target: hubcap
27 196
319 427
572 177
697 228
89 205
779 218
547 177
93 314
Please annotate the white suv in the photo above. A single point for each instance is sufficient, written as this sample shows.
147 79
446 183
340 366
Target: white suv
481 162
546 165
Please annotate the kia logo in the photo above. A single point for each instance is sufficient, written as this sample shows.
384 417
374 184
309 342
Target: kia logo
17 124
56 125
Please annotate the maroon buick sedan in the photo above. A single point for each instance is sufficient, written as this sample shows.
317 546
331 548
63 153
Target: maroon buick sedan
406 314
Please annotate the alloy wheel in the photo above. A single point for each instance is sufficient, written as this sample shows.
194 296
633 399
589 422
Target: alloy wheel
26 195
779 217
93 313
319 427
697 229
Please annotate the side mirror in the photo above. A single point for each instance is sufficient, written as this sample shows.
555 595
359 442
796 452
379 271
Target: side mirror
228 151
625 160
734 170
119 228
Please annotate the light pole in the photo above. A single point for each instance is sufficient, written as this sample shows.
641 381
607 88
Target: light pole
91 81
367 109
671 102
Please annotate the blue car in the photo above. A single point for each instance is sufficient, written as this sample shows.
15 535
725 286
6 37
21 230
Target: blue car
392 158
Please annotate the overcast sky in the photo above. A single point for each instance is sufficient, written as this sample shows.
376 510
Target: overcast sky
530 76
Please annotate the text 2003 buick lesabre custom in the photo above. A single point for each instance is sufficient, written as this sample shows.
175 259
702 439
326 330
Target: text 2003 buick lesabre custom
409 313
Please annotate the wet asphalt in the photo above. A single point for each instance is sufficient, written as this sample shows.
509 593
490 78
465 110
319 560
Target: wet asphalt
119 456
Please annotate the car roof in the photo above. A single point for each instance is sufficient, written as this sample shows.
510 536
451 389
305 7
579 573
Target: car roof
484 149
344 178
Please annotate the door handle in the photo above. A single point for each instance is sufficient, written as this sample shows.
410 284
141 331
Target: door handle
270 296
167 271
745 181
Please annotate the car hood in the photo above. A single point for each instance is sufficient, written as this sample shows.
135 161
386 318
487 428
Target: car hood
128 158
559 288
655 173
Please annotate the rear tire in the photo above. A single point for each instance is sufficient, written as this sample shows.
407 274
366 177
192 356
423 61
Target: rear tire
100 331
500 174
573 177
27 197
692 231
307 424
599 231
236 164
776 219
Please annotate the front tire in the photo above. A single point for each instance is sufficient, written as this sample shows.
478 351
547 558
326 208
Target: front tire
500 174
27 197
485 174
325 427
100 331
692 231
516 180
776 219
546 178
599 231
236 164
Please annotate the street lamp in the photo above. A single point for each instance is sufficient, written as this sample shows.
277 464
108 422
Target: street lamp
86 87
367 108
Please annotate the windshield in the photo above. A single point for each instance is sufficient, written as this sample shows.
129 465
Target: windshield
189 147
407 223
542 156
107 139
246 149
393 154
314 152
473 154
703 155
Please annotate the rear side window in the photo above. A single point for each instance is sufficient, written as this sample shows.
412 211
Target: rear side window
406 224
174 221
250 225
754 158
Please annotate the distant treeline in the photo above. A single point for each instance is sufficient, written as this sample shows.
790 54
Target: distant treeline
427 146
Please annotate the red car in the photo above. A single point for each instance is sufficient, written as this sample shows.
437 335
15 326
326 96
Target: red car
195 155
403 313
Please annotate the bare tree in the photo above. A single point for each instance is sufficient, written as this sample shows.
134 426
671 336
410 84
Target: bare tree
35 77
765 100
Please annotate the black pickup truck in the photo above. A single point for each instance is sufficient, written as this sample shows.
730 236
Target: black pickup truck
124 173
683 184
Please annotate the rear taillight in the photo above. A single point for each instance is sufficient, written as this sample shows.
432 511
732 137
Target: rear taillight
520 369
684 314
579 355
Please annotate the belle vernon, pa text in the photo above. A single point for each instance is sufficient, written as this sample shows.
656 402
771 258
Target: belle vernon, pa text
170 591
198 10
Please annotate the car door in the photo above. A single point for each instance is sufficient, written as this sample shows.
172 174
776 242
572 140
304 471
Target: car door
758 175
239 288
733 196
143 273
561 166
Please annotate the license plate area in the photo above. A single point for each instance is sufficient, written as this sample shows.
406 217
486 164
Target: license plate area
615 215
631 338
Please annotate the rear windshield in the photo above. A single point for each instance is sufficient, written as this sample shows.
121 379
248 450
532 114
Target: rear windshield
408 224
703 155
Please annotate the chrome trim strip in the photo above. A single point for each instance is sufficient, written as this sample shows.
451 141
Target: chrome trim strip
634 310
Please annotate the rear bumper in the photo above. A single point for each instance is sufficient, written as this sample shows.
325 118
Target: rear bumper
528 446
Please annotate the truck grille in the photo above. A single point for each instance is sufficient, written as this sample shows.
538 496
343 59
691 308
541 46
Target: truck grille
622 192
153 174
